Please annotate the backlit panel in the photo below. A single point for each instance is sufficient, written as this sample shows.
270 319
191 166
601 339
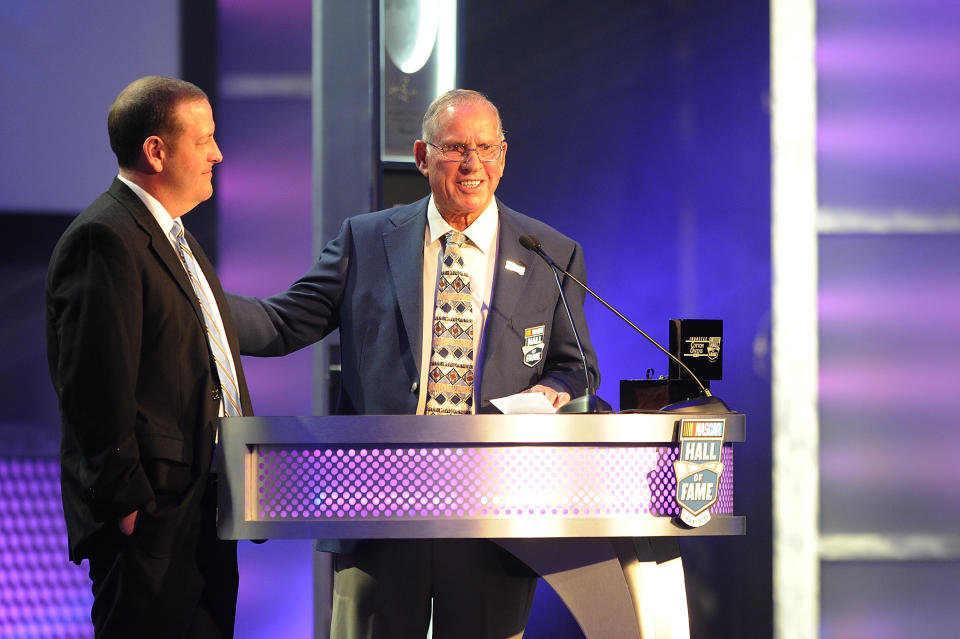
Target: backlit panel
319 484
42 594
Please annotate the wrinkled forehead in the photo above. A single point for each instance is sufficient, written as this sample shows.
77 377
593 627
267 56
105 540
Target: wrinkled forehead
467 121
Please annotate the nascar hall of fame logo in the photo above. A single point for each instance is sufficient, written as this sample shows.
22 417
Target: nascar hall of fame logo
533 345
699 468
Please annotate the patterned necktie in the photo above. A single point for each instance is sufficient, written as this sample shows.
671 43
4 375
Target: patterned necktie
450 379
228 385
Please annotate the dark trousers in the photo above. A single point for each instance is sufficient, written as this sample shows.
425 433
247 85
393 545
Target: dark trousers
192 593
384 590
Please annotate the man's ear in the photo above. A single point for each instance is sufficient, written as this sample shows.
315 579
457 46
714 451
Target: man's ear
155 153
420 155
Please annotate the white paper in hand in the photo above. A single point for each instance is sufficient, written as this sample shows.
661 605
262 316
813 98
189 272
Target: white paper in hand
523 403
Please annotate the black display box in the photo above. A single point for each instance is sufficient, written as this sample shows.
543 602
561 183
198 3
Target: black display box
698 343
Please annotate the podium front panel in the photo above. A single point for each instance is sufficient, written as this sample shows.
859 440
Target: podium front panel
461 476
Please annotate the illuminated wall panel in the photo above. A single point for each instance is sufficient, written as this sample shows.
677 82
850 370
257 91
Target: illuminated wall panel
42 594
888 381
889 199
889 601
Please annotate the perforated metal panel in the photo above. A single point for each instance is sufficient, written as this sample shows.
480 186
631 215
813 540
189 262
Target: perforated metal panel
320 484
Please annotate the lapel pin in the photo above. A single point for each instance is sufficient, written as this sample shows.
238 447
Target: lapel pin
516 267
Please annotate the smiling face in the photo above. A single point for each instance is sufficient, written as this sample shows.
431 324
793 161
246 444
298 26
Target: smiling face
189 158
462 190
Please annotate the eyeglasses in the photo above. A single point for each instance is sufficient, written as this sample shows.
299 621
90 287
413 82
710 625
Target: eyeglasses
460 152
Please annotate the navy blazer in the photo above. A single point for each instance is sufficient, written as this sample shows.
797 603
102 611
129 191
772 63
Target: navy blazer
368 284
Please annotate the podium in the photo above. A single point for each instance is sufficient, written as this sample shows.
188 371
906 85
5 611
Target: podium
587 501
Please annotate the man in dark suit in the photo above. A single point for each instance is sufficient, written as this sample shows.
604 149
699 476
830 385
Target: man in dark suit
144 358
496 303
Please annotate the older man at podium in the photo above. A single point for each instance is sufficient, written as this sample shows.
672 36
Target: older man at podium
440 309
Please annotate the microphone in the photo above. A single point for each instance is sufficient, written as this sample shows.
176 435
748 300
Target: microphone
706 404
588 402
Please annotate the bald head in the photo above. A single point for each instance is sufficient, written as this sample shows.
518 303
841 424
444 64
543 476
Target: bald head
453 98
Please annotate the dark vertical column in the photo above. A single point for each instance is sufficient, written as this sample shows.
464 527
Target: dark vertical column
198 64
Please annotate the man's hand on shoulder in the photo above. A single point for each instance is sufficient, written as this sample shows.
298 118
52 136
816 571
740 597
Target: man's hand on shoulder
557 398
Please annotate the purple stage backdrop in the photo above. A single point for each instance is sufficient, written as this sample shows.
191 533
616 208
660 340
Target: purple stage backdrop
639 129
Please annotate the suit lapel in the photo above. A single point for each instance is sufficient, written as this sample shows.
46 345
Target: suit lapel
403 245
508 286
167 256
159 243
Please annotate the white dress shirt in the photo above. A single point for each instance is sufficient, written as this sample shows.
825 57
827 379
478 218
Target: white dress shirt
479 259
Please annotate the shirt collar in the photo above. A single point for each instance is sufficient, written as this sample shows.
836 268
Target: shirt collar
153 205
481 233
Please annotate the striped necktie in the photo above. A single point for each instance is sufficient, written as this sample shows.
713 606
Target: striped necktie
450 378
217 341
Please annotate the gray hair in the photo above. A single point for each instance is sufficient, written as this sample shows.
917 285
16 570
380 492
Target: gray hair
453 98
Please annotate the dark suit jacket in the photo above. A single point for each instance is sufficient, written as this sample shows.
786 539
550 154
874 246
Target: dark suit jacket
132 369
368 283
